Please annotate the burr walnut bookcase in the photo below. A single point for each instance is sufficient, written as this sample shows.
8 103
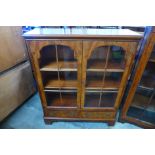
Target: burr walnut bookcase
139 107
81 73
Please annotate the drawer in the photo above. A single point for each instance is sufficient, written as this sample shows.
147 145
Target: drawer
81 115
13 49
15 87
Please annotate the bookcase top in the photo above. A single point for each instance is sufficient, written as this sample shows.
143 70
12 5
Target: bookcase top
82 33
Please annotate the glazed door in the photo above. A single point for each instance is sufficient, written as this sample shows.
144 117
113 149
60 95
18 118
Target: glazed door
105 70
58 65
139 107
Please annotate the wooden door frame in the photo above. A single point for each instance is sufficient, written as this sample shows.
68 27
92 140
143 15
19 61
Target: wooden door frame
130 49
137 77
34 48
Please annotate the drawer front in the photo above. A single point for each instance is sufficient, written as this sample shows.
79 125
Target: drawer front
13 49
15 87
81 115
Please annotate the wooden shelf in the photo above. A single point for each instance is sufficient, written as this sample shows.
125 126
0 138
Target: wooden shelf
67 101
140 102
63 66
109 84
99 66
62 90
69 84
99 91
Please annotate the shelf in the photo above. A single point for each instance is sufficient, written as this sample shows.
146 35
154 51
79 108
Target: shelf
107 80
69 84
141 115
109 84
68 100
99 91
144 87
140 102
99 66
62 90
53 80
63 66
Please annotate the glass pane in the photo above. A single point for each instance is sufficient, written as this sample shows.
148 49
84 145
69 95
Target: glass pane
58 68
66 58
94 80
50 79
105 68
148 78
60 80
116 58
141 98
145 110
100 99
92 99
112 80
105 80
108 99
48 57
143 104
68 79
113 54
97 59
152 58
149 113
57 56
106 63
63 98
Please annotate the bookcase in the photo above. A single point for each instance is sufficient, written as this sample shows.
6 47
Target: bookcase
81 73
139 107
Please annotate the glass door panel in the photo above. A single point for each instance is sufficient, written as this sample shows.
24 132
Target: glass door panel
112 80
66 80
97 60
116 60
92 99
47 59
148 78
104 71
54 56
152 58
59 71
143 103
66 58
103 99
50 79
63 98
94 80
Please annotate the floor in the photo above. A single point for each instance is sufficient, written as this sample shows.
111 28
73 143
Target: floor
29 116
